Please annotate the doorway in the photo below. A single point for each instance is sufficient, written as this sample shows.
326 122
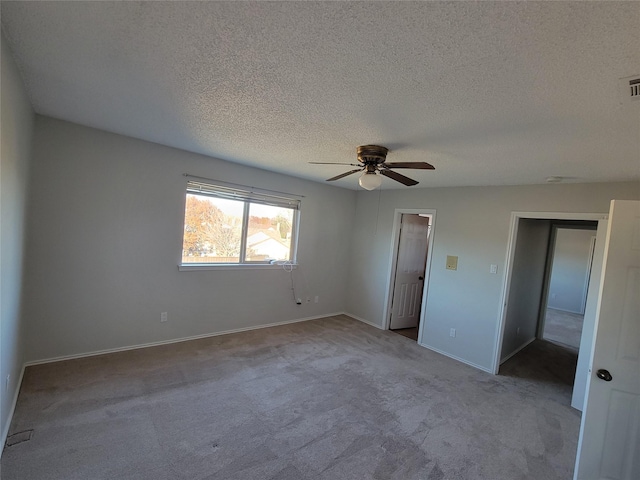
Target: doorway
567 282
527 289
409 271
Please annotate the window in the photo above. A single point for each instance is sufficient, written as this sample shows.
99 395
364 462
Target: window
232 225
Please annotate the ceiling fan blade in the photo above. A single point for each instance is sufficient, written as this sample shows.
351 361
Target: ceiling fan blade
398 178
343 175
416 165
333 163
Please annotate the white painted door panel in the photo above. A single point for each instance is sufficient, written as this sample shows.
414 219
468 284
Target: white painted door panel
609 445
410 268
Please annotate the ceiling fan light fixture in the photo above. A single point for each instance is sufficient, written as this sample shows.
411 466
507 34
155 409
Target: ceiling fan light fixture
370 181
372 159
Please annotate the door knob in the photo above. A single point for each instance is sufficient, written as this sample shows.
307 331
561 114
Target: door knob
420 277
603 374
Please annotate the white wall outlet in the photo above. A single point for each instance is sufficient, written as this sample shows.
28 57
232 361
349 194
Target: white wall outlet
452 332
317 299
493 268
452 262
163 317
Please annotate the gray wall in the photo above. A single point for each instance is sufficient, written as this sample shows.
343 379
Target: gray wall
571 255
105 241
16 138
104 238
527 280
473 223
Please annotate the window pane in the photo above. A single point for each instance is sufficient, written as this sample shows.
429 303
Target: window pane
269 235
212 230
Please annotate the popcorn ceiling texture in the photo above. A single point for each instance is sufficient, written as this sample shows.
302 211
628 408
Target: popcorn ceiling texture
490 93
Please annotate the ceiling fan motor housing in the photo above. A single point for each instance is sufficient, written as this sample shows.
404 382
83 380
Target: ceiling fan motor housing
372 154
372 160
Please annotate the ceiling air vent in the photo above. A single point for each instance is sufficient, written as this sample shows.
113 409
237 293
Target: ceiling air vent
629 90
634 87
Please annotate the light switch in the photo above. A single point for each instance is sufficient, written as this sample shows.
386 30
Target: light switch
493 268
452 262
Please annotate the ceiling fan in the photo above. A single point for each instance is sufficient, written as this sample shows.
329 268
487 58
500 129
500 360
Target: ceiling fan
372 160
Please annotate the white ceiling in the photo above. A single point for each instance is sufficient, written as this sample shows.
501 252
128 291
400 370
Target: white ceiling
490 93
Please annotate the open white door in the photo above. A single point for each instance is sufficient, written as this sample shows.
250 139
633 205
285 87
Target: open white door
410 268
609 444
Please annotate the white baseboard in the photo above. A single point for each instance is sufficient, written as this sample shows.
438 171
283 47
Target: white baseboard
175 340
7 426
564 310
355 317
461 360
525 344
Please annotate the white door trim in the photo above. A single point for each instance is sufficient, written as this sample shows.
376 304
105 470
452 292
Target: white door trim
587 279
393 258
511 248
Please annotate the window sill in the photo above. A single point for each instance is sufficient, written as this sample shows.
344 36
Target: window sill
233 266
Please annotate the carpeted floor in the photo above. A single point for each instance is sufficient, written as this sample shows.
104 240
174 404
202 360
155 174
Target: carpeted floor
325 399
411 333
563 327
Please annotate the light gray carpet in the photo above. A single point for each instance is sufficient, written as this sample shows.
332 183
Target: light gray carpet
563 327
411 333
325 399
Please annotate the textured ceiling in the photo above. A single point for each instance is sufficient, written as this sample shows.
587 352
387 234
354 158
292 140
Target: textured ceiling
490 93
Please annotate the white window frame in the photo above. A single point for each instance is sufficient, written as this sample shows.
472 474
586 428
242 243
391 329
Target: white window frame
248 195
